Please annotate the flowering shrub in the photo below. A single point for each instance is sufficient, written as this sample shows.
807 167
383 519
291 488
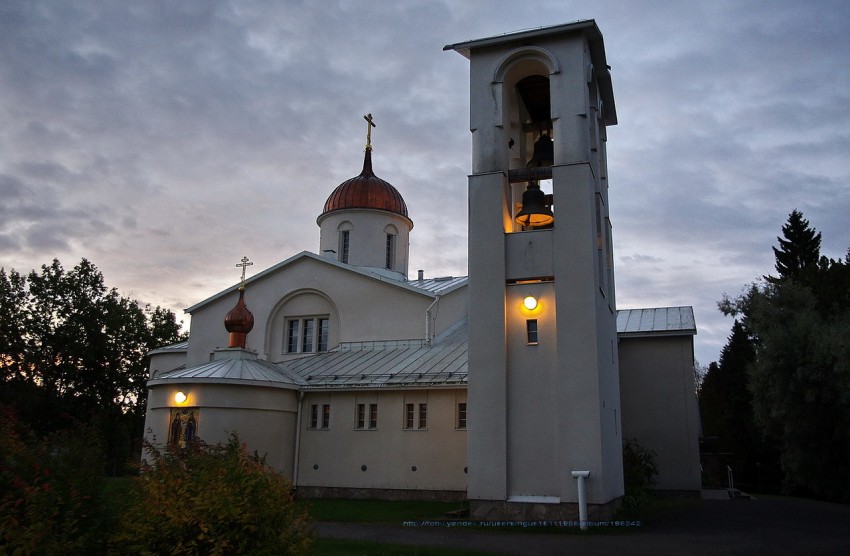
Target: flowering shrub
206 499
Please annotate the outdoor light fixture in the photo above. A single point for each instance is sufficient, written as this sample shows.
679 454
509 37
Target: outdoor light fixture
180 397
530 303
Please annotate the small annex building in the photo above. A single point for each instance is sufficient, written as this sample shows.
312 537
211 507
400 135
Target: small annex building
356 380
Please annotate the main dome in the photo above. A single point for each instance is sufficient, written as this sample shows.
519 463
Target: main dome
366 191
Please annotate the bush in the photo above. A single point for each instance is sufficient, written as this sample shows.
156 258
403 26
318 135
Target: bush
639 472
207 499
50 490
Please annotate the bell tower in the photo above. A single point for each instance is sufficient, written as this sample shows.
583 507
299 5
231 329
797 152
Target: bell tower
544 398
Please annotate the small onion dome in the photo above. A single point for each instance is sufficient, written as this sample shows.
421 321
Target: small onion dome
366 191
239 321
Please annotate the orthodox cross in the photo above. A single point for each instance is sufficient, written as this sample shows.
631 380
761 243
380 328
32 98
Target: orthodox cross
368 118
244 264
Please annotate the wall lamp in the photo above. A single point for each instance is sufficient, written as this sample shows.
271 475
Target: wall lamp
180 397
530 302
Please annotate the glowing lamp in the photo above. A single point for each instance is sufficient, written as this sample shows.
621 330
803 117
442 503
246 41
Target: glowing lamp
530 303
180 397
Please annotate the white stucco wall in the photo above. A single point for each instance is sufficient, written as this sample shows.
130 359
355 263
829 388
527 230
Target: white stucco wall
335 457
264 418
660 407
361 308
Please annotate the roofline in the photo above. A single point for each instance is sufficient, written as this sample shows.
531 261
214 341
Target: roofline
315 257
465 48
656 333
226 381
594 38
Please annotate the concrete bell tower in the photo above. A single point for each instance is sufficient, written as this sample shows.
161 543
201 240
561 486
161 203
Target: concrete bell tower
544 396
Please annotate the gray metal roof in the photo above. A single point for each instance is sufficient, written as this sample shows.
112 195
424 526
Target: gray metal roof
439 285
402 363
173 348
657 321
236 370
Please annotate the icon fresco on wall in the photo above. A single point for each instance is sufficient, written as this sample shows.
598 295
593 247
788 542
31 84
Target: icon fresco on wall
184 426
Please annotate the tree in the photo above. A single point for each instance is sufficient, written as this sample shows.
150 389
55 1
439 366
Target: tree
800 248
800 376
74 350
726 409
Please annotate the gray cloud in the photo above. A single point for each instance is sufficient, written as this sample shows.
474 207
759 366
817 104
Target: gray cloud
165 141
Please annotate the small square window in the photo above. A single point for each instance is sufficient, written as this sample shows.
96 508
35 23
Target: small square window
461 415
408 416
326 416
361 415
423 416
531 330
373 416
314 416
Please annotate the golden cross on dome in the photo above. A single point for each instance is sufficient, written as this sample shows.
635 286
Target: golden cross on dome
244 264
368 118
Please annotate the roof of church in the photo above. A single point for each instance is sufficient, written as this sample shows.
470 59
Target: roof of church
429 287
366 191
235 369
388 364
657 321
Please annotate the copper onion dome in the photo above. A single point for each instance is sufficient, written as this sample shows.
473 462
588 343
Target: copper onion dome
366 191
239 321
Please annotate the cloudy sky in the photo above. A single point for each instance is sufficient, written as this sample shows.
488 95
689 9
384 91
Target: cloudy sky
165 140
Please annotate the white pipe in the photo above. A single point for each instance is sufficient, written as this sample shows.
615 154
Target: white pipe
295 456
582 498
428 319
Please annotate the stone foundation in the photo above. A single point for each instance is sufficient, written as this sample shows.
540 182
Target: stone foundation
306 492
502 510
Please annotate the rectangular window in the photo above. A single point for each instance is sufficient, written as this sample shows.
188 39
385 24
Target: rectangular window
322 335
408 416
343 246
326 416
531 330
292 336
361 416
307 336
390 251
461 415
373 416
423 416
314 416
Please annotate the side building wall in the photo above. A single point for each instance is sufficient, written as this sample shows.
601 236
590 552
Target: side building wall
659 405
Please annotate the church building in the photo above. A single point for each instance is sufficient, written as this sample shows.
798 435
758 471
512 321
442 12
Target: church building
514 388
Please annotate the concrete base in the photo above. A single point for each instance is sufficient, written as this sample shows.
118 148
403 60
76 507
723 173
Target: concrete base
306 492
503 510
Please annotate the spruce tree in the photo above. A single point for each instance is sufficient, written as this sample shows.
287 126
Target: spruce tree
798 250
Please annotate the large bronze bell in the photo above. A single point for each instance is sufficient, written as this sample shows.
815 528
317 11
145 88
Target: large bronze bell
534 212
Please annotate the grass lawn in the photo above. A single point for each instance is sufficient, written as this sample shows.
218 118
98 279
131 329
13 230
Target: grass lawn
377 511
336 547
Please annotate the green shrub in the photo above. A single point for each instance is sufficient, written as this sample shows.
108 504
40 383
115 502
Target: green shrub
49 490
207 499
639 472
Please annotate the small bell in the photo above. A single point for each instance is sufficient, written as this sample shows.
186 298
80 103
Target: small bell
534 212
544 152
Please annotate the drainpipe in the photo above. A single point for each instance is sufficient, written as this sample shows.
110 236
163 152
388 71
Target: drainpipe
428 319
580 476
297 441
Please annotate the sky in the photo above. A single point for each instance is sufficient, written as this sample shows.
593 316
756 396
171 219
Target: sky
163 141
